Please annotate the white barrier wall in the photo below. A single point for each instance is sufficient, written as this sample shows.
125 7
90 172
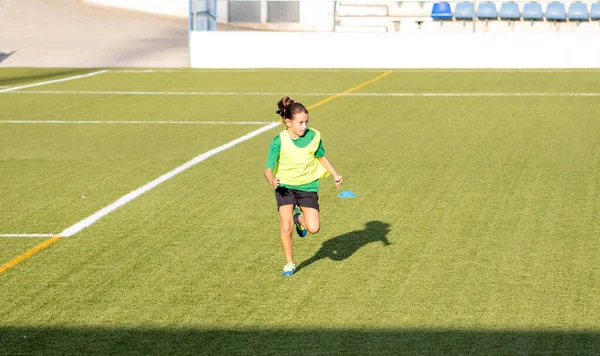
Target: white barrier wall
393 50
170 7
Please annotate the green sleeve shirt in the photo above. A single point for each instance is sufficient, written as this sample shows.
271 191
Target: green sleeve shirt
300 142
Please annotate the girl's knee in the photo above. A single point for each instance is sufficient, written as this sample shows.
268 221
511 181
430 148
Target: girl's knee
313 228
285 227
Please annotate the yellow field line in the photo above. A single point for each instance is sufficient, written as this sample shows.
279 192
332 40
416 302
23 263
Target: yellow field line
349 90
29 253
55 239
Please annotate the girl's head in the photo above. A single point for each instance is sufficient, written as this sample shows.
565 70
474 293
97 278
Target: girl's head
294 115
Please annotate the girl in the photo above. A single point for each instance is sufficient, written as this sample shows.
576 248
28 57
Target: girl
295 163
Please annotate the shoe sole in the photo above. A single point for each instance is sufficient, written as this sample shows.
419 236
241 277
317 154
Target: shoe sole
301 233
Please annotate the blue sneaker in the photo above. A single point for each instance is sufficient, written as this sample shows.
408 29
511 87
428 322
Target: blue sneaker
288 269
299 228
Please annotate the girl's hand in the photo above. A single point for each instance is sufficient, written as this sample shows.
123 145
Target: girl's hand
275 182
338 180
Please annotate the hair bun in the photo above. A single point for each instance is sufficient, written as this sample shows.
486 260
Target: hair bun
287 108
283 105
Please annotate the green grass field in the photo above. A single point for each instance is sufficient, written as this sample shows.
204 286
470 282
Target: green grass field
474 231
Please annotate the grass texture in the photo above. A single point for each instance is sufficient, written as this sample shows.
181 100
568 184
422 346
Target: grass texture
474 231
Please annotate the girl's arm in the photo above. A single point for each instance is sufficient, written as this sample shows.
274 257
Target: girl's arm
269 177
327 164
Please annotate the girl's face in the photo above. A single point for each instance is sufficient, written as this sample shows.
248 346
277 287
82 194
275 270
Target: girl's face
297 124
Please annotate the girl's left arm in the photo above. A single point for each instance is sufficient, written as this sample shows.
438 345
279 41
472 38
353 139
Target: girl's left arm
327 164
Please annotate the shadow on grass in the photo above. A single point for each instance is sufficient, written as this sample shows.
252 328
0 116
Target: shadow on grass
343 246
179 341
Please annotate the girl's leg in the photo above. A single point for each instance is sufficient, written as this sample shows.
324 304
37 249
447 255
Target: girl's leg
286 223
310 219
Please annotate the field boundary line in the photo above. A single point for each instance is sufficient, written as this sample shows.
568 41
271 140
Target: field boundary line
415 70
52 81
29 253
174 93
135 122
70 231
26 235
348 93
241 70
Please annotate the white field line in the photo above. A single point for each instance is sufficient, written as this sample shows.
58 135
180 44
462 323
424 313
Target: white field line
136 122
422 70
51 81
148 186
241 70
26 235
205 93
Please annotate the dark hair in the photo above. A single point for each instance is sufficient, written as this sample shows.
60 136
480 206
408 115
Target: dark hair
288 108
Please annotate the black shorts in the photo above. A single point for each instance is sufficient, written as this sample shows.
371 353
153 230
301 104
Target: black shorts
286 196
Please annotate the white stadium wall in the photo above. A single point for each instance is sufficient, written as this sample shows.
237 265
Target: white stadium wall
425 44
393 50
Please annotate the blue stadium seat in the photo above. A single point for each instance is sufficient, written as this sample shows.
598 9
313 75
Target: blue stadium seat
595 11
532 11
486 10
509 11
578 11
555 11
463 11
441 11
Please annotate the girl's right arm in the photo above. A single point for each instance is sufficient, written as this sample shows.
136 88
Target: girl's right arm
269 177
272 158
336 176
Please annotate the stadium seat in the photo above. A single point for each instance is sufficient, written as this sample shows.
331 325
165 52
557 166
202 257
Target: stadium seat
555 11
509 11
441 11
595 11
463 11
532 11
578 11
486 11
